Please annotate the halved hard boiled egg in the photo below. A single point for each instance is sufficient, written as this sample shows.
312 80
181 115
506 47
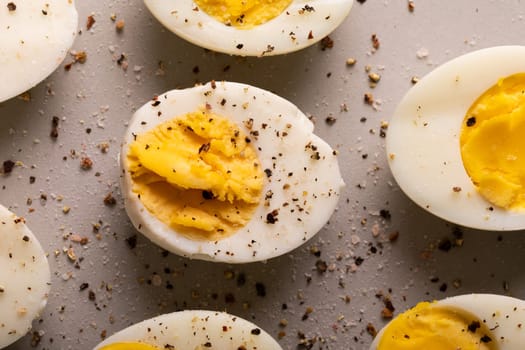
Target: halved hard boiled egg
24 278
466 322
195 330
455 143
35 37
252 27
227 172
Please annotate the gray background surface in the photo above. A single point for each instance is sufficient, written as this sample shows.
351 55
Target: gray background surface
362 263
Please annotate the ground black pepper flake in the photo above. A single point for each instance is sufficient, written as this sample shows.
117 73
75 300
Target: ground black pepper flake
109 200
445 245
321 266
471 121
11 6
473 326
8 166
83 286
260 288
132 241
326 43
271 218
485 339
54 127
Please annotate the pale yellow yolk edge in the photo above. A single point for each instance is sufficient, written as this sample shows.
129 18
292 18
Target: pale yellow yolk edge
431 327
129 346
245 13
197 173
492 143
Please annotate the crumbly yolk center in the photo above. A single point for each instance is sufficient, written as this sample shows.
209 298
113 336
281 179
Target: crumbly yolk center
129 346
245 13
430 327
197 173
493 144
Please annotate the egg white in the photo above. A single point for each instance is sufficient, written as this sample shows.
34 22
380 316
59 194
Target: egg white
191 329
504 316
293 30
24 278
34 40
422 143
285 155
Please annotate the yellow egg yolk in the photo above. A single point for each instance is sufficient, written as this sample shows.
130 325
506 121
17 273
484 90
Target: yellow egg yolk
493 143
197 173
245 13
430 327
129 346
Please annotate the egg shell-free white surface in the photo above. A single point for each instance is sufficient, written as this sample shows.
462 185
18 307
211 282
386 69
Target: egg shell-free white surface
423 138
34 40
292 30
300 216
24 278
196 329
502 315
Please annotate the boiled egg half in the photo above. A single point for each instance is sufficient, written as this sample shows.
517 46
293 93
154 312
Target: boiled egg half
227 172
466 322
252 27
192 329
35 37
24 278
455 143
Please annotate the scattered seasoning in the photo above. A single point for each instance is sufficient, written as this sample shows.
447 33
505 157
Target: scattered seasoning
392 237
321 266
456 189
411 5
90 22
351 61
370 329
375 41
414 80
330 120
8 166
54 127
260 289
326 43
119 26
471 121
86 163
132 241
11 6
445 244
109 200
374 77
369 98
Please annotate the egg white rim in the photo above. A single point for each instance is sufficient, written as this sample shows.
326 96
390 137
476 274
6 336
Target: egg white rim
35 266
503 321
255 244
422 109
59 43
262 40
155 331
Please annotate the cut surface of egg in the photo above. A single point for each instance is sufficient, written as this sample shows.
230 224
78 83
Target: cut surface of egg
253 27
227 172
24 278
466 322
35 37
455 143
191 329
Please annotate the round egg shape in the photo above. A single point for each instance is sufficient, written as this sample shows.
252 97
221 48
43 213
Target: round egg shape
24 278
301 181
496 320
423 140
35 37
300 24
192 329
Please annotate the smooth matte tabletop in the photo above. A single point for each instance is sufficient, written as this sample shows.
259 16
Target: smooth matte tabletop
328 293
